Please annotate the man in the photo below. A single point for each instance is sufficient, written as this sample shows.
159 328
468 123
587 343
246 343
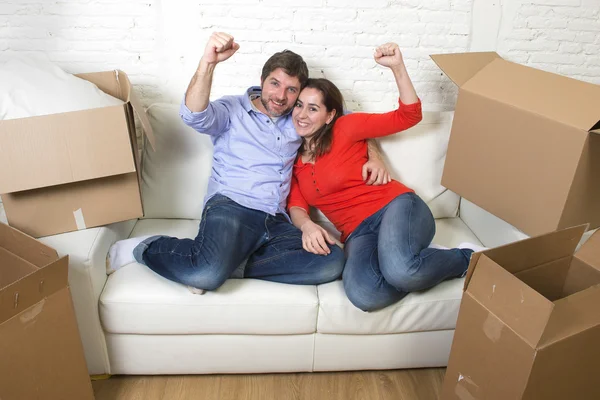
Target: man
245 230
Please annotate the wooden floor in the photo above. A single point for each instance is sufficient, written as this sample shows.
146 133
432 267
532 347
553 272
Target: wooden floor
416 384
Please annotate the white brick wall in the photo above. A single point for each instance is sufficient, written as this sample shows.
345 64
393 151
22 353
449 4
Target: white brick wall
158 43
560 36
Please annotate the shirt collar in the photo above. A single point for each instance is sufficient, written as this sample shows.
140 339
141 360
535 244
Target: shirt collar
251 92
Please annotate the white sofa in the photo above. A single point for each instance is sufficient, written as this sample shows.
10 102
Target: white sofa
136 322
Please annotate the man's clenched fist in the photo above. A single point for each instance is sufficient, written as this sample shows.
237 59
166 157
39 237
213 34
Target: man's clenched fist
219 48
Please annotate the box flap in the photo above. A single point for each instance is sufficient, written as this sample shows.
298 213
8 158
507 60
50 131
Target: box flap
62 148
530 253
32 288
26 247
13 268
522 309
117 84
137 106
555 97
107 82
460 67
589 252
573 314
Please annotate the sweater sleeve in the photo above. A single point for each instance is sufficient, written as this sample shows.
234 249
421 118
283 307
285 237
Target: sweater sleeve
295 198
361 126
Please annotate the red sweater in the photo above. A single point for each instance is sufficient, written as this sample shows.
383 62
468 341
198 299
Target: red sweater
334 183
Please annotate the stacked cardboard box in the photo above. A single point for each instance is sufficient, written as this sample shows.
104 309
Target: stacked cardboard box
41 355
525 146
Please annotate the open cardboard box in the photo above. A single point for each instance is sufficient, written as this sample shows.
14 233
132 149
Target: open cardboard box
41 355
75 170
529 322
525 144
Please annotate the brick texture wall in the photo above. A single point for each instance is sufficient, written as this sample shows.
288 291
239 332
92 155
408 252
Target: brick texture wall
158 43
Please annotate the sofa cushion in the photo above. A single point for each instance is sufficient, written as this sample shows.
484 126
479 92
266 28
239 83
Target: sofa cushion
175 175
135 300
430 310
416 158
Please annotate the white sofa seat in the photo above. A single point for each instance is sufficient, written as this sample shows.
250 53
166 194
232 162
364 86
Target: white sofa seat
430 310
141 310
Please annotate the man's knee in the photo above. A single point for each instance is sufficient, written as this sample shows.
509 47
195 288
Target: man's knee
207 276
331 267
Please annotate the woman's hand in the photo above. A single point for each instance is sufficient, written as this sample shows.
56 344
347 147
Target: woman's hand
389 55
315 238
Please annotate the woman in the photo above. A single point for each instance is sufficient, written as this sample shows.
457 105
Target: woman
386 229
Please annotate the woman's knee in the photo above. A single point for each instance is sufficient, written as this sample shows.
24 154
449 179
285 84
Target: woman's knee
360 297
406 276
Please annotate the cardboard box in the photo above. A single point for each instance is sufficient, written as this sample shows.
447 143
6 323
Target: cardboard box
525 144
75 170
41 355
529 322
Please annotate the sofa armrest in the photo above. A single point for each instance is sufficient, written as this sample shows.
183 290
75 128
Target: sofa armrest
87 250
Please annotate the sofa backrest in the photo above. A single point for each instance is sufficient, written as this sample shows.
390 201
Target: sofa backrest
175 175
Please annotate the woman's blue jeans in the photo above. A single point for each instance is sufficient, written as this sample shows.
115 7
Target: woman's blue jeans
232 238
387 255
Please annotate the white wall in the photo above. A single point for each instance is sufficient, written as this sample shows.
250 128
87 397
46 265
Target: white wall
158 43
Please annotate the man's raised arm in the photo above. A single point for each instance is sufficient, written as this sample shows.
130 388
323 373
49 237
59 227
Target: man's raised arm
219 48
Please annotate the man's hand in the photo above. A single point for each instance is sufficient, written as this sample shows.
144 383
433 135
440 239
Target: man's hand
375 170
389 55
315 238
219 48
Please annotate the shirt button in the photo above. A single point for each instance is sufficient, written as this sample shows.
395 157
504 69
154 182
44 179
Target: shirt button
277 138
268 121
317 189
281 184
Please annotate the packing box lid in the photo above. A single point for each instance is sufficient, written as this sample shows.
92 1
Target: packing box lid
526 88
70 147
504 280
35 272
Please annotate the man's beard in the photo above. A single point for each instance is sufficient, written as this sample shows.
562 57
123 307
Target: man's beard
267 107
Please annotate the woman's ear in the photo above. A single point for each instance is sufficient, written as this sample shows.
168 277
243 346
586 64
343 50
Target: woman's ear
330 116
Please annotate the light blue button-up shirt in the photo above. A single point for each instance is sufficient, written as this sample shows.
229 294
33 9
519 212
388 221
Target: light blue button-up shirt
253 156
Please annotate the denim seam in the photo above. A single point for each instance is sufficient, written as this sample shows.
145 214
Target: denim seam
273 258
410 212
201 229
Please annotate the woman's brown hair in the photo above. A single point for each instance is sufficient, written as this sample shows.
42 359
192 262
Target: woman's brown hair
333 100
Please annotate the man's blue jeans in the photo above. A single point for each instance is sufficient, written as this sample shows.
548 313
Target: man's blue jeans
388 255
230 234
